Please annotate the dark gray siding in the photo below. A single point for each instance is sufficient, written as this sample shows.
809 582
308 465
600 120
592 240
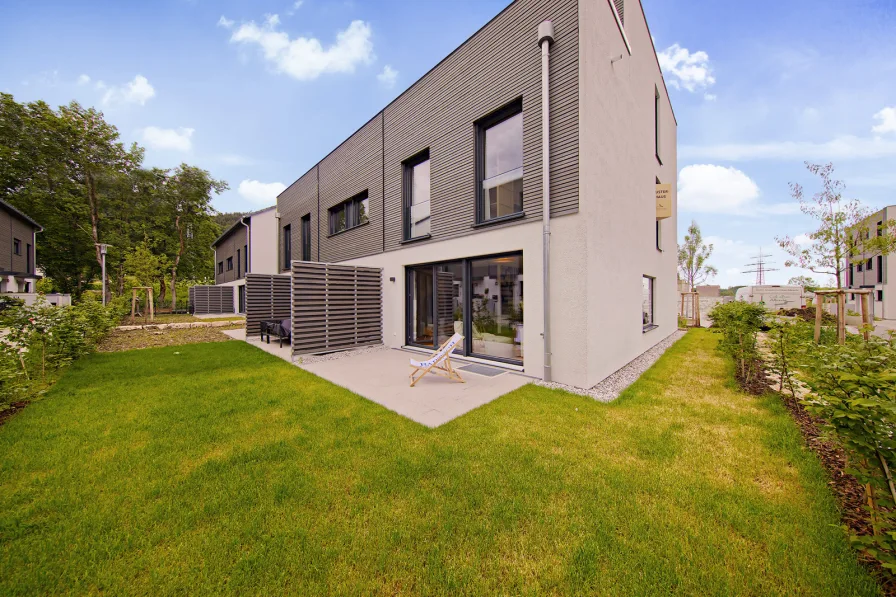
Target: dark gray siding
355 166
267 298
12 227
500 63
296 201
206 300
228 247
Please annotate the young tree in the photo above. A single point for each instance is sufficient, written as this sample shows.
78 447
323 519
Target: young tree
844 229
692 258
804 281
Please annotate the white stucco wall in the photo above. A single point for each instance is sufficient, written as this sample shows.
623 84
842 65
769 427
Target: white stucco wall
264 246
618 172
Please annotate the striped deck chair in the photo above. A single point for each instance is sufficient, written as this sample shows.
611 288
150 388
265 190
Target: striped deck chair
439 363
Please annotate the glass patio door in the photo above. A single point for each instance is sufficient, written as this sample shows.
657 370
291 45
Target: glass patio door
421 328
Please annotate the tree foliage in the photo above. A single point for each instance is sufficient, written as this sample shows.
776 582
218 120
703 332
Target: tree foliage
693 257
844 229
68 170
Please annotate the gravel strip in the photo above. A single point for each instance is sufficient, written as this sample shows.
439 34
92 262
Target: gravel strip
610 388
335 356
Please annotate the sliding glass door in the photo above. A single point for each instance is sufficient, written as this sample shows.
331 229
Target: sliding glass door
480 298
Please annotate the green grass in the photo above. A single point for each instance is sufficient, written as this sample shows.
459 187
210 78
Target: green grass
225 470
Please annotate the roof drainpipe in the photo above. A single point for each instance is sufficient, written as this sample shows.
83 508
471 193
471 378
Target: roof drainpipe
545 38
248 244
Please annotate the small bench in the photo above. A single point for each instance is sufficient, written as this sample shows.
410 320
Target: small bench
282 328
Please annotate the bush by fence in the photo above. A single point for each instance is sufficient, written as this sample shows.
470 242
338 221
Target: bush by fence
36 341
740 323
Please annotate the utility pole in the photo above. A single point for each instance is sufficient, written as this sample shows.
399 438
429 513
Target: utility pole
760 267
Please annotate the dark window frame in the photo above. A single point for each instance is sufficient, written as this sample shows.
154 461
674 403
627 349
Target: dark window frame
305 224
230 264
880 296
407 193
16 247
245 259
348 204
481 125
869 265
880 269
220 268
287 246
652 324
239 263
29 260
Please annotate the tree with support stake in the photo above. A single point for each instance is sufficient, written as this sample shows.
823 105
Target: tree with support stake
149 304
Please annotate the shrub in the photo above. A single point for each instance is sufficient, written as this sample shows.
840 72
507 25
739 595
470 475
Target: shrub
41 339
854 392
739 323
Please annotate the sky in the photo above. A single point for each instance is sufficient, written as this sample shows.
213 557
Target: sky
258 92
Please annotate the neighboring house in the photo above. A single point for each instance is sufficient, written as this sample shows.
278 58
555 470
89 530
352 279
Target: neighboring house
18 239
248 246
443 190
876 272
710 290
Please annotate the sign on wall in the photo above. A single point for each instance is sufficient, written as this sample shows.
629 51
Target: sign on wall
663 201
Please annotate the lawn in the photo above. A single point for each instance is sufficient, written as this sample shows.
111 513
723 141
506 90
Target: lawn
216 468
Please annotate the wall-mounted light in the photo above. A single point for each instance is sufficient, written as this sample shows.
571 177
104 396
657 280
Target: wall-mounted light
615 59
392 279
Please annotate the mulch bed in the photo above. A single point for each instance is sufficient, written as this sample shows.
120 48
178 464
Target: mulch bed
119 341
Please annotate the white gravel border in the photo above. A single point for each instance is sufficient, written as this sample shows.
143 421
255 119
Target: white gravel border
310 359
610 388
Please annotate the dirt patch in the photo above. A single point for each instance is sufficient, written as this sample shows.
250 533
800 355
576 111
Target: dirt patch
757 384
808 314
12 409
119 341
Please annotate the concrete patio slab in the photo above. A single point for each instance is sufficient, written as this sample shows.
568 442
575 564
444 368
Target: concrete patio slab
273 348
382 377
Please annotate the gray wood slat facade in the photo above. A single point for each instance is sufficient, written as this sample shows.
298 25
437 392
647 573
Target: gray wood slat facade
499 64
335 307
209 300
233 246
267 297
11 228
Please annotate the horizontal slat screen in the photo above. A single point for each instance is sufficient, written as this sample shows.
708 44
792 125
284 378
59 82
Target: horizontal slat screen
335 307
267 297
208 300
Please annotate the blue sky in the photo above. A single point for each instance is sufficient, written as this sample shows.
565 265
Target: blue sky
757 87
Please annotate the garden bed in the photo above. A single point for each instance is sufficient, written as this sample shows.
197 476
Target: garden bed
120 340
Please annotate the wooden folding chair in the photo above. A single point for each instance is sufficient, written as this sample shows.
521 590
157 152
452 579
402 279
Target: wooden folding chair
439 363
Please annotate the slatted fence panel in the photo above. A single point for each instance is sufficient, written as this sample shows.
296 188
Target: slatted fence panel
335 307
207 300
267 297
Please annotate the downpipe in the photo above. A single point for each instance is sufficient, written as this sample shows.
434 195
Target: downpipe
545 38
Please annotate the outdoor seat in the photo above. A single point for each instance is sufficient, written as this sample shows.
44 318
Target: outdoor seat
439 363
281 328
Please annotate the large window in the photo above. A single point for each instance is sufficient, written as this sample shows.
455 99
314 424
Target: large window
500 172
287 246
349 214
647 320
480 298
306 237
416 196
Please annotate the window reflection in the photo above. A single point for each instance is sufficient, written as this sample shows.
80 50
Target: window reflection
497 307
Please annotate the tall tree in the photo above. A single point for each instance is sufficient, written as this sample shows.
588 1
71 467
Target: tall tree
844 229
692 258
188 209
804 281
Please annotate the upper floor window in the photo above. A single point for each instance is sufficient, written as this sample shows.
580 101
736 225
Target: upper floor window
306 237
287 246
16 246
500 160
880 268
239 263
416 196
230 264
246 258
349 214
869 265
220 267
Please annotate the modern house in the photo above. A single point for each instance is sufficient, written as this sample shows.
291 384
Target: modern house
875 271
18 239
248 246
522 193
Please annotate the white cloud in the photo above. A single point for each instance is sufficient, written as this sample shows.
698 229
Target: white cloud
710 97
168 139
225 22
688 71
137 91
847 147
83 80
708 188
306 58
234 159
264 193
388 77
295 6
887 121
802 240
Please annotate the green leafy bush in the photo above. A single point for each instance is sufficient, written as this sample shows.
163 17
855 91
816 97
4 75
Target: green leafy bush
37 341
854 392
740 323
